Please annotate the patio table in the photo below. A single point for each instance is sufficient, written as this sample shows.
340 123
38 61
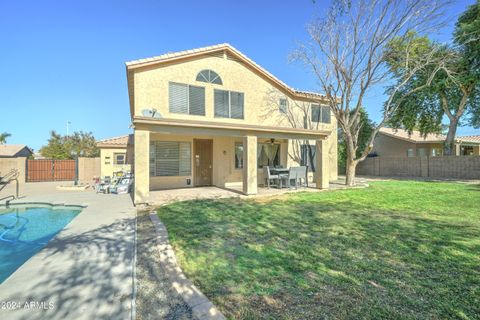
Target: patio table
280 172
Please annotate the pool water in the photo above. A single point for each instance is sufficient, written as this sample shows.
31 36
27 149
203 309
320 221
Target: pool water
24 230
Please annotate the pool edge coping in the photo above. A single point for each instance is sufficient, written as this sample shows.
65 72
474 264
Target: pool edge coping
14 203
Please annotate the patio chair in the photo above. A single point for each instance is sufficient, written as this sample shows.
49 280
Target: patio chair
302 174
290 176
269 177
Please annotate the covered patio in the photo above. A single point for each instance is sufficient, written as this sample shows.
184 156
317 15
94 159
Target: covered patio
216 166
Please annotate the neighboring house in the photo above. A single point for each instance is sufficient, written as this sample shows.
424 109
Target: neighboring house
15 151
116 154
399 143
200 118
38 156
468 145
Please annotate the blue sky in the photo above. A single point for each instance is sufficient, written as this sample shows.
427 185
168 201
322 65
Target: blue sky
64 60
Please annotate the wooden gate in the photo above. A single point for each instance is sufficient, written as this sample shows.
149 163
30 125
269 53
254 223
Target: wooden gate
51 170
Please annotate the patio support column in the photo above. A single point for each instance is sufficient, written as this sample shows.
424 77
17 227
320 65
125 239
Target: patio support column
142 165
321 165
250 165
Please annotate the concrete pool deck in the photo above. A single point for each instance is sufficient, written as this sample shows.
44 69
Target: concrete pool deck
86 271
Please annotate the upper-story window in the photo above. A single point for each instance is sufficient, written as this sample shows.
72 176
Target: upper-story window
283 105
184 98
228 104
209 76
320 113
119 158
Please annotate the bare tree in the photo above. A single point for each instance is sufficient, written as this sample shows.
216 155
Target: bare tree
294 113
348 52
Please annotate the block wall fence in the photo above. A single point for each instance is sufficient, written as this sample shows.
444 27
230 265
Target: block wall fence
452 167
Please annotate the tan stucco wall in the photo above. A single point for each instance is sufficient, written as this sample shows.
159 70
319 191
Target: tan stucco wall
142 175
151 90
386 146
7 164
107 165
88 169
224 172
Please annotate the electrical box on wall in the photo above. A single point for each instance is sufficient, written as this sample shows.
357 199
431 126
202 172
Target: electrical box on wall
189 181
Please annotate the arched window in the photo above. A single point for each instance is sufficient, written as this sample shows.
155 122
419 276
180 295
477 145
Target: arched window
209 76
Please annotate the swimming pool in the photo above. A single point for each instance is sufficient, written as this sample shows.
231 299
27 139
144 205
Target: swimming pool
26 229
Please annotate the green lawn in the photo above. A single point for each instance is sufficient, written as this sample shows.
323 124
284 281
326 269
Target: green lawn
398 250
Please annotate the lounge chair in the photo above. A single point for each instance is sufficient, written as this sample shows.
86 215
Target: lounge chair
123 185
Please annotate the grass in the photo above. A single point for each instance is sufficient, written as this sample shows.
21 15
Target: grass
398 250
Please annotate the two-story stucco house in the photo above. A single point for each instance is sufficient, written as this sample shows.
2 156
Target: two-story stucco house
212 116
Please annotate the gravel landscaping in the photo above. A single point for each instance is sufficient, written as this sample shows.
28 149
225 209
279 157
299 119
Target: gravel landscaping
156 299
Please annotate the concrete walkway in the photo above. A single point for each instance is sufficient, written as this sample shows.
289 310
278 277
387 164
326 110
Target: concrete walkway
86 271
162 197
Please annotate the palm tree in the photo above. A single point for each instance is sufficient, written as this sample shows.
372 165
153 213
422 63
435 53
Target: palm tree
3 137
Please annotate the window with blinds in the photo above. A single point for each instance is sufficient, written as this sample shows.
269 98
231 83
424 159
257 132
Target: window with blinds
228 104
320 113
222 103
184 98
236 105
170 158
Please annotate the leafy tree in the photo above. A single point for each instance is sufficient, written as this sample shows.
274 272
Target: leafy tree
467 35
55 148
454 92
66 147
3 137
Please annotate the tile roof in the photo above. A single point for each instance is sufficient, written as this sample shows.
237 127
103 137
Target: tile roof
170 55
416 136
10 150
121 141
475 139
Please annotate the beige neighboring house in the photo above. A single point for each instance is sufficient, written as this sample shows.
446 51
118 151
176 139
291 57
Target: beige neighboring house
15 151
399 143
206 117
116 154
468 145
